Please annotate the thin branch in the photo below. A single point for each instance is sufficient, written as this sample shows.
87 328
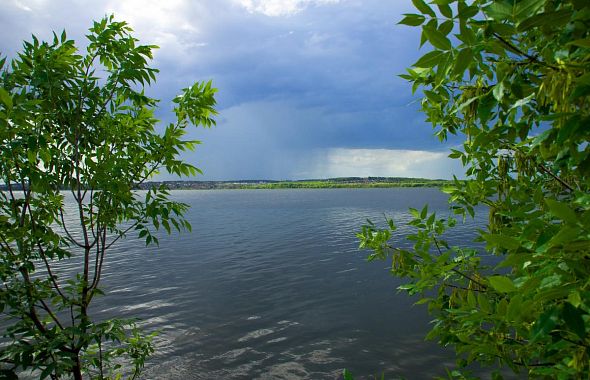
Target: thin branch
12 197
83 87
73 320
555 177
458 271
463 288
68 234
32 313
24 272
98 272
8 247
43 255
523 364
149 173
110 97
26 194
515 49
74 193
100 360
122 234
51 275
91 212
80 200
51 314
97 260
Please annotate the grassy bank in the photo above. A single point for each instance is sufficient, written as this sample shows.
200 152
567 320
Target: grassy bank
332 183
339 185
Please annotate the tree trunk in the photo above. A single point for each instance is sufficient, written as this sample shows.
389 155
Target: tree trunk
77 370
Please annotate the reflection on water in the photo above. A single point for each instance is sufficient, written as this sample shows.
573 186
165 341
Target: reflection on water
270 285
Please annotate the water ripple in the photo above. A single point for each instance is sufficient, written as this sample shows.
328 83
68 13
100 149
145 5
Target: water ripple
270 285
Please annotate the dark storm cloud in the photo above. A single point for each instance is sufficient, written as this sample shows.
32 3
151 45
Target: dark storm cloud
297 79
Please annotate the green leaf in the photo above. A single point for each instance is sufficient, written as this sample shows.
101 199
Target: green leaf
466 35
500 11
585 42
502 241
575 299
484 302
552 281
346 375
424 212
513 10
47 371
463 61
522 102
498 91
446 27
485 106
391 224
471 301
6 98
574 321
429 59
526 8
566 234
423 7
466 12
445 10
562 211
514 308
166 225
32 156
545 324
502 284
444 67
553 19
436 38
454 155
412 19
502 29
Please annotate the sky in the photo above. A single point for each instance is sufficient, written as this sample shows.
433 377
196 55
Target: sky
306 88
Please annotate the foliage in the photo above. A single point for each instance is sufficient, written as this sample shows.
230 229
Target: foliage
513 78
77 129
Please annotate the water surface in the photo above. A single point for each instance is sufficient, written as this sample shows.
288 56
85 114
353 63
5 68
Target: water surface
270 285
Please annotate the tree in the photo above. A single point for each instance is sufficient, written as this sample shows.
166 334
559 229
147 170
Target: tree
513 78
77 128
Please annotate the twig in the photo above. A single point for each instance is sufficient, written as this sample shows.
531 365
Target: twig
555 177
69 235
458 271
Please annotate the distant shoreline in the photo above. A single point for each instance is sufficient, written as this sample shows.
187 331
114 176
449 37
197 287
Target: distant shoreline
331 183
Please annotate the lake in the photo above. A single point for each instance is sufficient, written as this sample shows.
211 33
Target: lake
270 285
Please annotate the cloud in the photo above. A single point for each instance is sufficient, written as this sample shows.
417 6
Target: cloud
174 25
275 8
22 6
343 162
280 140
298 79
